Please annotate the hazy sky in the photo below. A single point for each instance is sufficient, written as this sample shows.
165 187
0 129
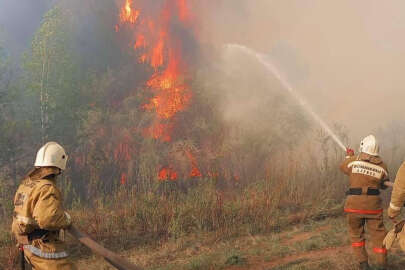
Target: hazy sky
347 58
19 20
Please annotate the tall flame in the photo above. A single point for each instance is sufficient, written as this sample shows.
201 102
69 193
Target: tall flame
172 95
161 49
128 14
162 52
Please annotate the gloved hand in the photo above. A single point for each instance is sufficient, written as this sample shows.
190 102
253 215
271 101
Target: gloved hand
389 239
385 184
394 234
393 213
349 152
69 220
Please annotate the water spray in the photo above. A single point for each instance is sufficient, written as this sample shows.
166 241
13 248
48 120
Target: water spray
263 59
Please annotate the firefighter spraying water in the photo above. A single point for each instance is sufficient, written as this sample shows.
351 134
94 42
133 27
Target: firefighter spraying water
368 174
263 59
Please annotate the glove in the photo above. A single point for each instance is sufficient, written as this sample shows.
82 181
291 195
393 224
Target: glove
394 234
389 239
349 152
383 186
393 213
69 220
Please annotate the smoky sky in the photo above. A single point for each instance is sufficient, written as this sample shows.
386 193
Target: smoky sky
346 58
19 21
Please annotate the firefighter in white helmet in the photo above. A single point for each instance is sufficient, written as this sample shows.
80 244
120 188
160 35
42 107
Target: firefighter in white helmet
367 174
38 212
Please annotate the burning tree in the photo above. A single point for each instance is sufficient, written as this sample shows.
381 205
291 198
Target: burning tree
158 31
146 111
153 117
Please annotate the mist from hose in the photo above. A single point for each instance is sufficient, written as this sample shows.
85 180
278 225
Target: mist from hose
263 59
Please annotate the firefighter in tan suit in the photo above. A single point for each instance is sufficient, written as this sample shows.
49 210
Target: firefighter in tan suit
38 213
398 194
394 210
367 174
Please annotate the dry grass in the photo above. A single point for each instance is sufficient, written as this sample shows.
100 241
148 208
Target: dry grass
253 252
129 219
204 237
312 245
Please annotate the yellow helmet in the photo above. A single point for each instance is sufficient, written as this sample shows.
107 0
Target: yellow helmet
51 155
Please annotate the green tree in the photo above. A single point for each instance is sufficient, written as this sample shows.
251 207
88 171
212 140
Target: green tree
11 130
53 78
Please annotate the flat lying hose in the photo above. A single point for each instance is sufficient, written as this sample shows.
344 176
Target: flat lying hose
115 260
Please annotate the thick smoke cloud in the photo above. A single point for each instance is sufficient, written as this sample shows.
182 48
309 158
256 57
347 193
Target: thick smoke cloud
19 20
345 57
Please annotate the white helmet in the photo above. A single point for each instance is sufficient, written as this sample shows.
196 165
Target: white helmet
51 155
369 145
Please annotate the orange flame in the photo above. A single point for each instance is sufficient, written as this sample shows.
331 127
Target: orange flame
184 13
172 95
128 14
162 51
124 178
167 174
195 172
157 58
140 42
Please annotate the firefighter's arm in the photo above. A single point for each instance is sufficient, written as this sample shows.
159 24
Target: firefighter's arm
398 194
385 178
344 167
48 211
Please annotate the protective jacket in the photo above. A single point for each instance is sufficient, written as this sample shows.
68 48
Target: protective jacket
38 218
398 192
367 175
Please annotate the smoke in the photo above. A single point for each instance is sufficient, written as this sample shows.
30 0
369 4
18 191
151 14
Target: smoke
19 20
344 57
265 61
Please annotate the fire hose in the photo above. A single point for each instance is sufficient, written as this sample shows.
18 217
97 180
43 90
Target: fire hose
115 260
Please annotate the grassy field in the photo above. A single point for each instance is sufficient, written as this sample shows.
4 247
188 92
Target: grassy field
266 225
312 245
129 219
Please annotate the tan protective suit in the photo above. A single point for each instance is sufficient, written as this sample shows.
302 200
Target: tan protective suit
363 204
38 218
398 193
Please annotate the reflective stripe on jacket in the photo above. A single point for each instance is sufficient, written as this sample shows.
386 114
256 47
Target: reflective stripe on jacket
364 172
46 255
